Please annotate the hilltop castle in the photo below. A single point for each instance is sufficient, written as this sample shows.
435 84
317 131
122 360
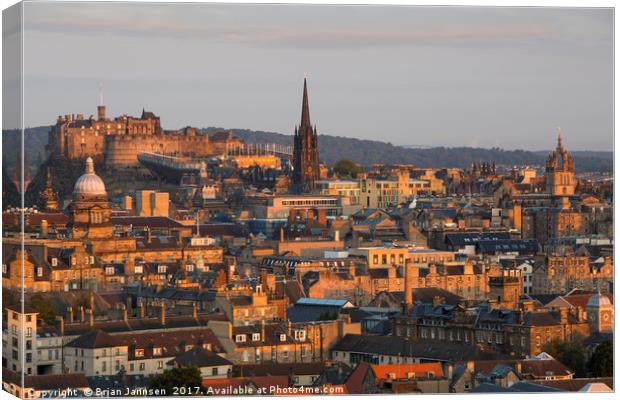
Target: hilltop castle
118 141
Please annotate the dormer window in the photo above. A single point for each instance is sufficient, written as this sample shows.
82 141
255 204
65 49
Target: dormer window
4 269
161 269
255 337
54 262
240 338
157 351
40 272
109 270
139 352
300 335
138 269
282 337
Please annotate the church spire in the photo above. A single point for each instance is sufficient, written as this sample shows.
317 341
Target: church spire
559 139
305 109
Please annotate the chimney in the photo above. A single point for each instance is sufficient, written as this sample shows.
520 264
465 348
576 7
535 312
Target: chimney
44 228
141 309
281 234
563 315
163 313
262 330
61 322
70 312
409 275
468 269
82 318
336 235
528 305
91 317
518 367
92 301
290 327
195 310
125 316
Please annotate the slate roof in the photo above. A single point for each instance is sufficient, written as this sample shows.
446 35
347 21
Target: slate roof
521 246
396 345
200 358
471 238
95 339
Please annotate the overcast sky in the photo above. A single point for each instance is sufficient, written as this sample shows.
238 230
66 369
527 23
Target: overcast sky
408 75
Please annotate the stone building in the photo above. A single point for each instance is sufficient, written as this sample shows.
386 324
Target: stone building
306 150
118 141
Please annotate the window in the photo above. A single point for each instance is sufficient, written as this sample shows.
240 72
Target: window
300 335
258 355
29 332
240 338
117 366
273 354
256 337
303 351
160 364
142 366
28 344
285 354
14 341
282 337
14 355
103 366
28 357
105 352
28 318
131 367
214 371
4 270
157 351
39 272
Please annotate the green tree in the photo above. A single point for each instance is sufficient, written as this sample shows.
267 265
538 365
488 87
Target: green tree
569 353
602 361
178 377
347 168
44 307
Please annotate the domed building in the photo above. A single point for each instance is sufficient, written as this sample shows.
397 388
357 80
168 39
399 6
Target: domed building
600 313
89 212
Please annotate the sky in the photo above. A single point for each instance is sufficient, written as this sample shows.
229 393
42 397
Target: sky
421 76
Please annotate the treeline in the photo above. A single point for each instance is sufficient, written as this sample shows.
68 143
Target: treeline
368 152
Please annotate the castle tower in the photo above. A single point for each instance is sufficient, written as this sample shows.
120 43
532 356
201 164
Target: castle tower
306 151
101 106
560 172
49 197
90 211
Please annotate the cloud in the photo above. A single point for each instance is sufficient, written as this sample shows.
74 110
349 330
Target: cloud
231 25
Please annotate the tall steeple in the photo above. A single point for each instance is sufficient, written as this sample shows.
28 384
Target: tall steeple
305 108
305 153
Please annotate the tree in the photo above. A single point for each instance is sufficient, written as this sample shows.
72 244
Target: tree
178 377
569 353
347 168
44 307
602 361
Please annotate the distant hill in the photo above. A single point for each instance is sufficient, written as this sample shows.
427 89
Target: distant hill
367 152
334 148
